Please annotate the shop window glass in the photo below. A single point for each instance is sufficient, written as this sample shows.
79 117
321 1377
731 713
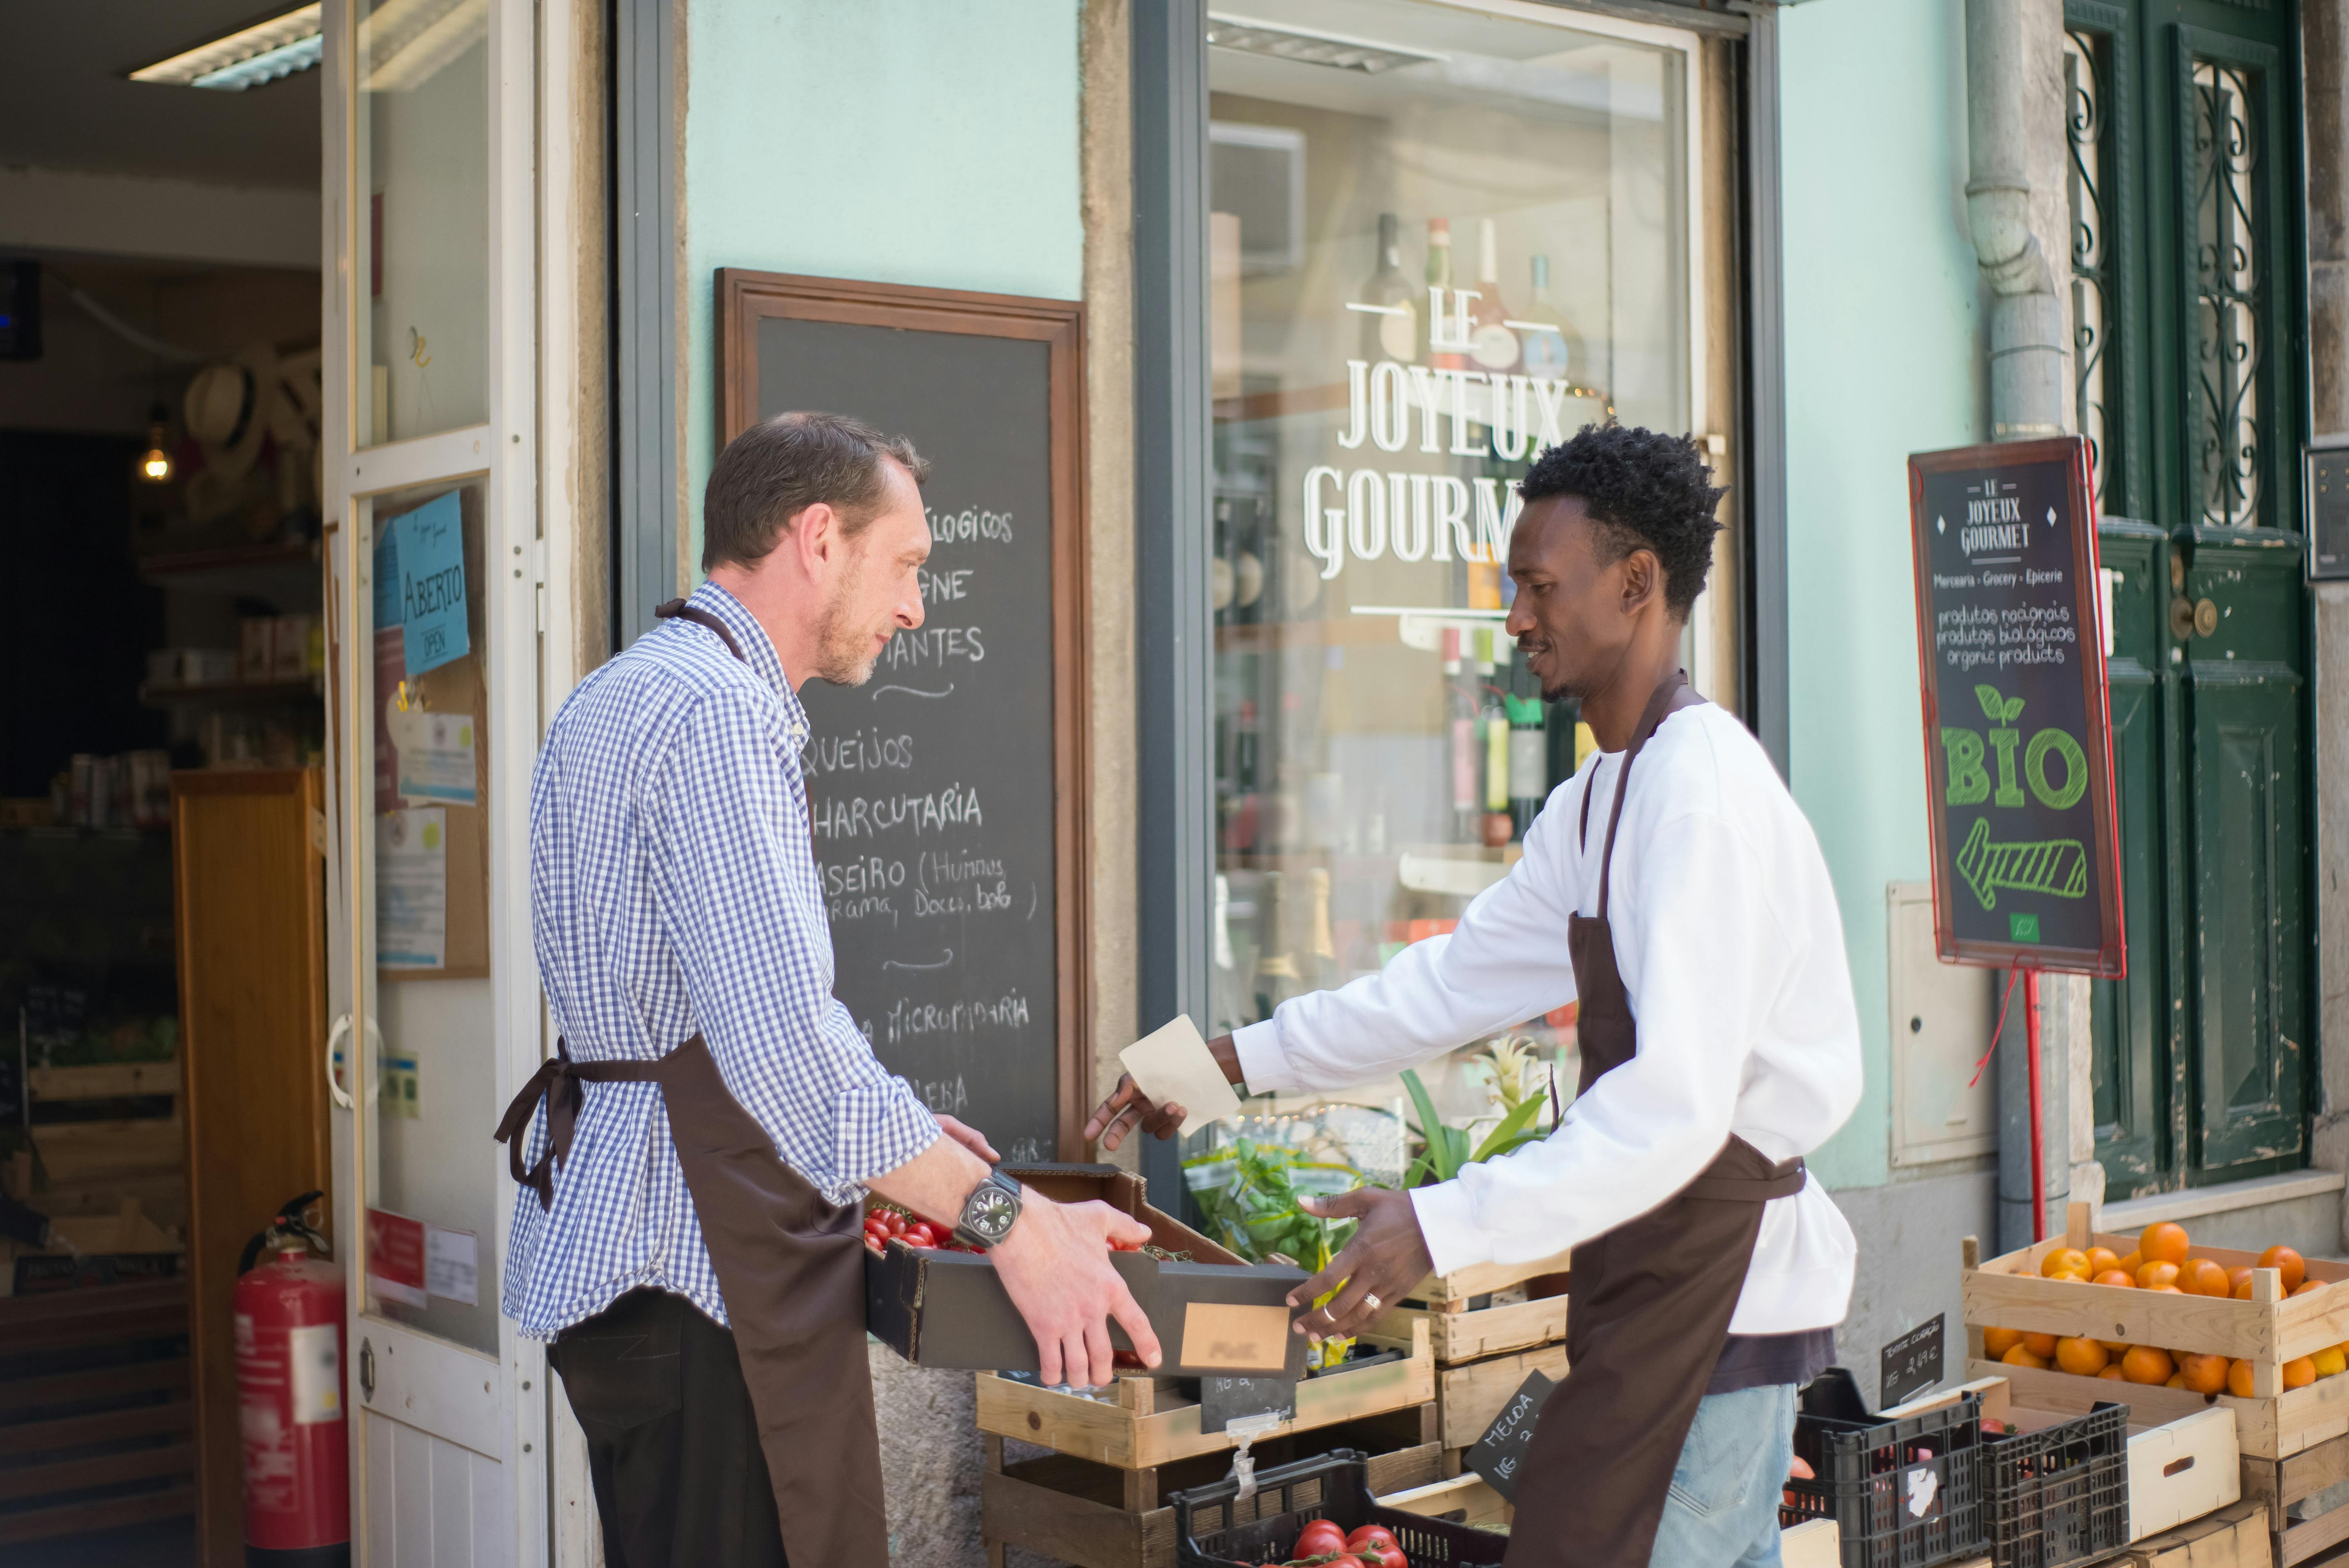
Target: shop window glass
422 272
1439 240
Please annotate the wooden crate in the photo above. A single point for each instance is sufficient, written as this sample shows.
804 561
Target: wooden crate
1458 1333
99 1375
1100 1516
1463 1499
2183 1462
93 1166
1814 1543
1146 1422
2267 1332
2234 1537
1453 1290
1468 1398
2276 1484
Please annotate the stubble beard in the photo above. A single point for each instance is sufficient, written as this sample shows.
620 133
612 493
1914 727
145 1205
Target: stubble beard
842 658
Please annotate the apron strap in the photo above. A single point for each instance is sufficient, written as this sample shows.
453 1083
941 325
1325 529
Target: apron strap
677 609
558 1081
1673 694
1784 1181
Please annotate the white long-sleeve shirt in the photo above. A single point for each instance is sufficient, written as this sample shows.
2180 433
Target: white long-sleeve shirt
1728 940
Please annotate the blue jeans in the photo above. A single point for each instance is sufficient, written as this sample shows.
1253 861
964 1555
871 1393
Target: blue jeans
1722 1509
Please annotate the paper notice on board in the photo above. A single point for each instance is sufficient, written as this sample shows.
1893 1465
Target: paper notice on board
434 757
411 889
452 1266
394 1254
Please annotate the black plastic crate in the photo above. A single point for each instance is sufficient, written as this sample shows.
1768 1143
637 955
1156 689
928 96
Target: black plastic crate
1333 1486
1905 1493
2060 1494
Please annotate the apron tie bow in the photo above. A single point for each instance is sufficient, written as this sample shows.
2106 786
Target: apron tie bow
558 1081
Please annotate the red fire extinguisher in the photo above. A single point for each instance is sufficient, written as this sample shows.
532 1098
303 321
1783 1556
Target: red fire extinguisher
289 1397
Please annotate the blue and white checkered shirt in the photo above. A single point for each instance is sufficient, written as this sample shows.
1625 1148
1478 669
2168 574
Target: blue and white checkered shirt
673 889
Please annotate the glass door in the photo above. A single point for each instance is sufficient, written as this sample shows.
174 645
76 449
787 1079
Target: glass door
436 551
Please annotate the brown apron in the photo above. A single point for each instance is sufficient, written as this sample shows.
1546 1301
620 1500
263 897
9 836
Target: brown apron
791 1268
1652 1298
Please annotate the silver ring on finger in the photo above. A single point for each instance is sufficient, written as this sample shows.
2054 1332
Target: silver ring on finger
1370 1300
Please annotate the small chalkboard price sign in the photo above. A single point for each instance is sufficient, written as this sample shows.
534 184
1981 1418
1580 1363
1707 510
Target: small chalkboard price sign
1911 1364
2018 748
1499 1456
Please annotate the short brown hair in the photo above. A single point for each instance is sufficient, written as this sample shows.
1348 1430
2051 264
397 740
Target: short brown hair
779 467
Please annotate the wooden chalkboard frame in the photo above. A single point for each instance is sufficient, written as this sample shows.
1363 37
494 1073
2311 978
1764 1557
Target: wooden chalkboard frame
746 298
2109 959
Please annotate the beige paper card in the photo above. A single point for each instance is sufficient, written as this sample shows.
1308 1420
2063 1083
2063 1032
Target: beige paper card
1172 1067
1239 1338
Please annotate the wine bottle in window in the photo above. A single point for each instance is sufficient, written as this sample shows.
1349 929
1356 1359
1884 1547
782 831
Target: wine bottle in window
1494 349
1557 353
1439 292
1321 955
1528 759
1494 723
1277 978
1460 700
1393 335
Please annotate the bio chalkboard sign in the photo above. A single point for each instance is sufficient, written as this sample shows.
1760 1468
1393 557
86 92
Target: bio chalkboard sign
945 792
2018 746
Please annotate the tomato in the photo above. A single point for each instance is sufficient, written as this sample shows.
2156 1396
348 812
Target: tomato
1376 1553
1320 1537
1367 1534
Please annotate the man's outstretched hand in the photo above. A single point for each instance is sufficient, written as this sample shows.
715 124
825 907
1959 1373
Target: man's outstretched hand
1055 1266
1386 1259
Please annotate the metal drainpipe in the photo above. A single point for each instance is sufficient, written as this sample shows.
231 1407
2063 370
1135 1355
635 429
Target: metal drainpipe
2029 394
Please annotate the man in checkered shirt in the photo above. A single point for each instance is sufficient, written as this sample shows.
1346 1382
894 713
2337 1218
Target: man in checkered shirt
674 894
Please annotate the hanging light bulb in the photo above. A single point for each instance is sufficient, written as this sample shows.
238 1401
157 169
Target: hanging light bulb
155 463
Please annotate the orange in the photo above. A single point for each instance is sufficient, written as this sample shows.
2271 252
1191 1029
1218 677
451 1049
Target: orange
2239 1379
2201 1277
2163 1243
2153 1276
2082 1357
1997 1342
2100 1259
2173 1290
2113 1373
2288 1263
2116 1277
2177 1380
2116 1348
2064 1260
2298 1371
2308 1285
2238 1282
2042 1346
2146 1363
2019 1357
2204 1374
2131 1263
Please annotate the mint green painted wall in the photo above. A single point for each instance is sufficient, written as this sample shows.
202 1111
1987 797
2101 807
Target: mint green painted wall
896 140
1884 357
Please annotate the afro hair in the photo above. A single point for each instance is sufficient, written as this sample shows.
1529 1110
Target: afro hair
1645 488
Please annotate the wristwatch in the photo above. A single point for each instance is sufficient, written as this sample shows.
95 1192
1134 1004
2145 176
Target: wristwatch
989 1212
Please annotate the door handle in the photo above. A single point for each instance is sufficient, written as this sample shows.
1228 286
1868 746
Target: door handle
366 1370
342 1096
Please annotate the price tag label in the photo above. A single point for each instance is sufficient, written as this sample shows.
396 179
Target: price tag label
1499 1456
1911 1364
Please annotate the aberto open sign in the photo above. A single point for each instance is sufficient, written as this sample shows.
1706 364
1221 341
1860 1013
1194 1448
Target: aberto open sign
2018 737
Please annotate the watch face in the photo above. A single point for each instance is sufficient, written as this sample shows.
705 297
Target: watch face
991 1212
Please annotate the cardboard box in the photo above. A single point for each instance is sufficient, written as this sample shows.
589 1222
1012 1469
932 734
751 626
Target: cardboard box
1217 1316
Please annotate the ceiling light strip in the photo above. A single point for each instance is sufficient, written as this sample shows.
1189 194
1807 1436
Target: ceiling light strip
246 44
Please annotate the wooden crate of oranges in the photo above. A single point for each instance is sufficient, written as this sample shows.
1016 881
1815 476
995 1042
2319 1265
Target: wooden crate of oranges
2262 1333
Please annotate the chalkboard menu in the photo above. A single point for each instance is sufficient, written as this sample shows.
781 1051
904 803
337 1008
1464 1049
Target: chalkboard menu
945 793
2017 736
